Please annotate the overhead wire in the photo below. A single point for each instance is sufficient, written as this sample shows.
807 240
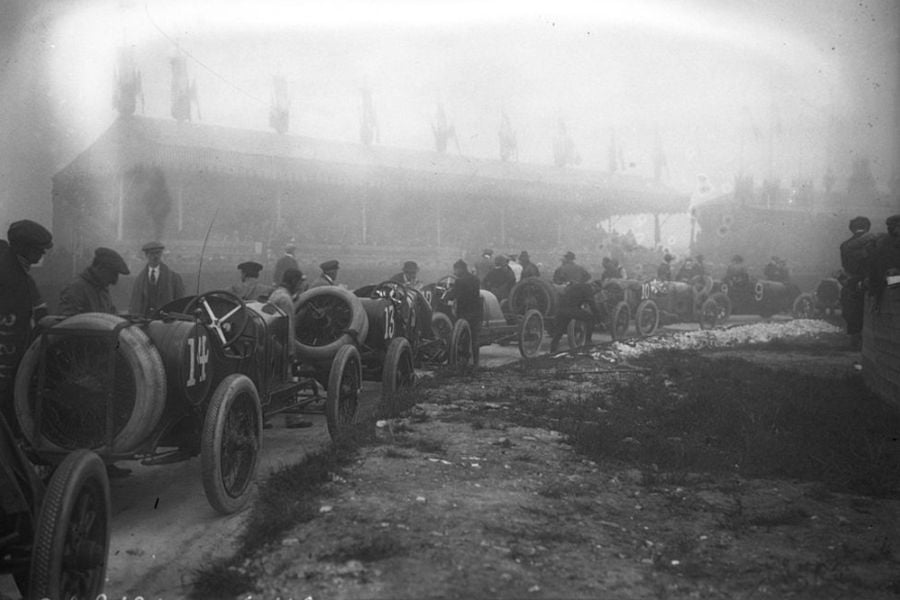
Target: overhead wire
200 62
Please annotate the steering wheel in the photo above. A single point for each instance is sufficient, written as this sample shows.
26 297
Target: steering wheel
223 312
391 290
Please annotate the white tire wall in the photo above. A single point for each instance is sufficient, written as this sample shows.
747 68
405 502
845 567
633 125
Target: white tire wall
358 322
135 351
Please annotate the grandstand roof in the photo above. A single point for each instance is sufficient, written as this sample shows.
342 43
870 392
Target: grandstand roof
133 142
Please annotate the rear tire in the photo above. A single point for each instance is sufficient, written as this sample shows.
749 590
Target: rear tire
230 443
575 334
344 382
461 344
619 321
531 333
71 543
646 318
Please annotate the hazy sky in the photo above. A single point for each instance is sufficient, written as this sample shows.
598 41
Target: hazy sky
783 85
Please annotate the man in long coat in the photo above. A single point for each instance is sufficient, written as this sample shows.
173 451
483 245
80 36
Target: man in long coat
155 285
287 261
21 304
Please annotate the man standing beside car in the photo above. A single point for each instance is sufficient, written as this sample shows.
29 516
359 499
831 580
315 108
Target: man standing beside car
155 285
329 274
89 292
572 301
21 305
466 291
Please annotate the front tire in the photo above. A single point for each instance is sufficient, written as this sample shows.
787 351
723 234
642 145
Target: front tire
71 543
344 382
461 343
531 333
230 444
398 372
442 327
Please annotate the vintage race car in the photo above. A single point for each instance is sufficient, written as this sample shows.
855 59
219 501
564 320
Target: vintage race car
538 294
758 297
824 301
498 327
383 323
54 537
198 378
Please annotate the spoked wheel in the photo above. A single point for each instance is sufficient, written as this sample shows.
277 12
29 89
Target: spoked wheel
442 327
619 320
72 540
804 306
575 333
224 313
715 310
646 318
230 444
398 372
461 343
531 333
344 382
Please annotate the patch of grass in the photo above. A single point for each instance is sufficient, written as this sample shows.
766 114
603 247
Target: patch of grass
423 445
222 581
689 413
367 548
287 498
394 453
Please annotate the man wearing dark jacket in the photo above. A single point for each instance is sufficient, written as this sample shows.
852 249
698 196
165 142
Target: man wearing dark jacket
21 304
250 288
529 269
89 292
500 279
284 263
466 291
576 302
155 285
856 254
569 271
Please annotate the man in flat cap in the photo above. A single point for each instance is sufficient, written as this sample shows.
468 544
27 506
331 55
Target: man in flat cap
287 261
155 285
250 287
329 274
856 253
409 276
569 272
21 305
89 292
